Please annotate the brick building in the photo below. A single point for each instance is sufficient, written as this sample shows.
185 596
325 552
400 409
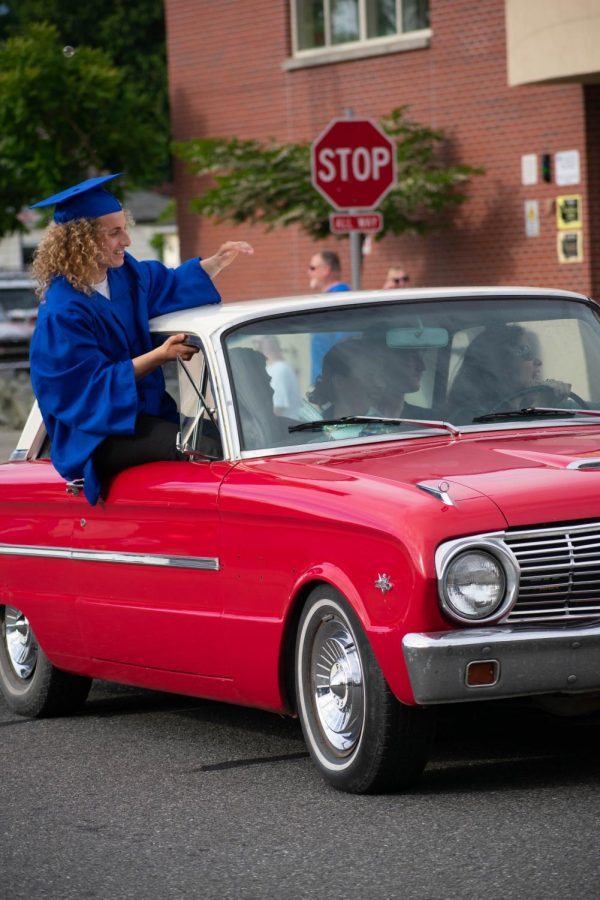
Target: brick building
502 78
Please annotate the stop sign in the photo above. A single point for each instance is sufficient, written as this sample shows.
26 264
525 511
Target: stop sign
353 164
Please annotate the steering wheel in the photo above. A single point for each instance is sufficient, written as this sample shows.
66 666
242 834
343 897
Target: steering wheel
551 392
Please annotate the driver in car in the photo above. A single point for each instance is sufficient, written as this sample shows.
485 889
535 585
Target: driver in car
501 369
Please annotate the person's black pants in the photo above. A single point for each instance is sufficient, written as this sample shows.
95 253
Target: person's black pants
154 440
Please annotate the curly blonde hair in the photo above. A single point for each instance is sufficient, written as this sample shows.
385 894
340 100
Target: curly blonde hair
73 249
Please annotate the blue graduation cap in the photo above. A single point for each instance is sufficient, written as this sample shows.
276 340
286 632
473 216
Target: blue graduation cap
87 200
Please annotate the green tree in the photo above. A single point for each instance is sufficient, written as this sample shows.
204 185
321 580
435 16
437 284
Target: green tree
269 184
64 117
130 32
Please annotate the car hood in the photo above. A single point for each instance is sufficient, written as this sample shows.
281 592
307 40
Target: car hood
532 478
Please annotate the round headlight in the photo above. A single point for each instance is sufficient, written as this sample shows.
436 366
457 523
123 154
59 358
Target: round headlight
474 585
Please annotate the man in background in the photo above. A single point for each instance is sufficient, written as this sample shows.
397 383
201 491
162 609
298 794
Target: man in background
395 278
325 272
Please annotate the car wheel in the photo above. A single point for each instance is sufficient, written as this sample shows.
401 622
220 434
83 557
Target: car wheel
359 736
29 682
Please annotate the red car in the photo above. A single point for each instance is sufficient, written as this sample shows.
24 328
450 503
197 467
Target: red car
390 501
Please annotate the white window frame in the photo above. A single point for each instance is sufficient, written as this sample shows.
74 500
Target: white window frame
411 40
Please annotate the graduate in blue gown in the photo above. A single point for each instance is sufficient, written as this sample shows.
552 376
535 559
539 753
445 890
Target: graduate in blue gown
95 373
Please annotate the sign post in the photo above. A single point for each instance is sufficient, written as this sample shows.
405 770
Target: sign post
353 165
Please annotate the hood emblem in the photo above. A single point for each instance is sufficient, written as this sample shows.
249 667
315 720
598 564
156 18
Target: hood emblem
440 490
383 583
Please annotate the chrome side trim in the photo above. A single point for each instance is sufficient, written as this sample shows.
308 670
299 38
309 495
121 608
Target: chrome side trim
531 661
209 563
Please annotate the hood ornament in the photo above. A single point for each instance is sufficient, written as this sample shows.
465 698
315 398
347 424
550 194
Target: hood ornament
383 583
440 490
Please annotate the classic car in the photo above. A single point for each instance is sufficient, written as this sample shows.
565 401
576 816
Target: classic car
385 502
18 296
18 313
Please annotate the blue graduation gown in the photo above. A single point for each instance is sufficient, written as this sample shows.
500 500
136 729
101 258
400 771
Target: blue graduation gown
81 358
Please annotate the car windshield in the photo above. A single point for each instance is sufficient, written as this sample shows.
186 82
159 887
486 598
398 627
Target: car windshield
451 360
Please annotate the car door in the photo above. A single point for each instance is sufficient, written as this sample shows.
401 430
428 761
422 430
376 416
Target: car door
148 578
36 534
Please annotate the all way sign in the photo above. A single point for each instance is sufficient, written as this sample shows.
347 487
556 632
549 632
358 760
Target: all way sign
367 223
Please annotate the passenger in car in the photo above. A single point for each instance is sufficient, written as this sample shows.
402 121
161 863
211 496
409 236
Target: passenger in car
501 367
402 370
351 379
94 370
261 428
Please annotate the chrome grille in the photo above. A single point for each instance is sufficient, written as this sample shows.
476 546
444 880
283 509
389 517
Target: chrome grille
560 573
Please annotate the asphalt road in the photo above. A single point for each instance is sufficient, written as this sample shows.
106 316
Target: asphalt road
148 795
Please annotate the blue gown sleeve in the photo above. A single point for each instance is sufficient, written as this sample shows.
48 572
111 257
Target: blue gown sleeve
76 381
168 290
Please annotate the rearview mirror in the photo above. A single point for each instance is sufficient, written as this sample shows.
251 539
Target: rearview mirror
416 338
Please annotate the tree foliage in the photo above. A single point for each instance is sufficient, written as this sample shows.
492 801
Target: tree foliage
64 118
67 117
131 33
270 184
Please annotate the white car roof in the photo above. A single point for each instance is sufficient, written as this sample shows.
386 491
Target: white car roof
208 320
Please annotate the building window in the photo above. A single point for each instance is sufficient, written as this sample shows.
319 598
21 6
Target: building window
327 24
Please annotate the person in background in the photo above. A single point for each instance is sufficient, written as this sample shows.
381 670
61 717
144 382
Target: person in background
94 370
325 273
395 278
286 391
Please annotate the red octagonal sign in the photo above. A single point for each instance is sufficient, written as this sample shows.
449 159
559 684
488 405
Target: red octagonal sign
353 164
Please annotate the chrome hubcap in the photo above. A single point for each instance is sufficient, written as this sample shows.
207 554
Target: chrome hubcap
338 685
21 644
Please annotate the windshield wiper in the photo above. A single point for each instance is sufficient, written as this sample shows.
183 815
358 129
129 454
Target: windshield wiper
548 412
367 420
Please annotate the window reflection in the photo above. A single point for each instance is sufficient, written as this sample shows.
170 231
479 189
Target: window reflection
415 14
327 23
344 21
310 24
381 18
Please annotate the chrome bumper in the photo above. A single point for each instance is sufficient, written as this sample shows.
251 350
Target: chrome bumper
530 661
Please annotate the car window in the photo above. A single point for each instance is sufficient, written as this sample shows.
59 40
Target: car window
450 359
190 387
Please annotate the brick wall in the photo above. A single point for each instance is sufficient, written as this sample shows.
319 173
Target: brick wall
226 78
